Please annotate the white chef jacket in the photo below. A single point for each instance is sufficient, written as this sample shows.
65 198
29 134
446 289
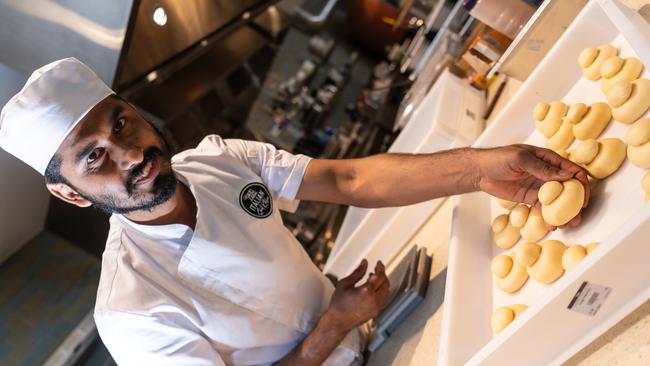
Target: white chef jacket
237 290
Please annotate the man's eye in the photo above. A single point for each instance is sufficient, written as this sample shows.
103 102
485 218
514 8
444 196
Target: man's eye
95 155
119 124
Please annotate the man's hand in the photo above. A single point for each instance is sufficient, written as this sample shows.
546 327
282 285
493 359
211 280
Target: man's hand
516 173
352 306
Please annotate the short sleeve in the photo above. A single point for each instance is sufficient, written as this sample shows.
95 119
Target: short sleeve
134 339
281 171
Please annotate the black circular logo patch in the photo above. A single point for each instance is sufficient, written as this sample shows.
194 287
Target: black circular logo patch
256 200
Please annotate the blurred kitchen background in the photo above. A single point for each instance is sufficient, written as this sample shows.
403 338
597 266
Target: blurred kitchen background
325 78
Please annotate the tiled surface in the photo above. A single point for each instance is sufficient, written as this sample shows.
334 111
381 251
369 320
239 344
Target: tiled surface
415 342
48 286
627 343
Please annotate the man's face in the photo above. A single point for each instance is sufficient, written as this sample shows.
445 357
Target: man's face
116 160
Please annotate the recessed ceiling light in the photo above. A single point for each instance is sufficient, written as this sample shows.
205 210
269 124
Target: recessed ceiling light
152 76
159 16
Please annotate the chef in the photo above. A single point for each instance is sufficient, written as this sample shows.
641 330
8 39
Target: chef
198 268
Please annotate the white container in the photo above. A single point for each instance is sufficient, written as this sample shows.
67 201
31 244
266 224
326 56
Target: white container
548 333
449 116
506 16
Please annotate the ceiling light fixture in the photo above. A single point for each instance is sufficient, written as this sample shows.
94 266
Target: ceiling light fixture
159 16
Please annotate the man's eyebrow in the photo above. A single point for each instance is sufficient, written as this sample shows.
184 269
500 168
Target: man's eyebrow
91 146
85 151
116 113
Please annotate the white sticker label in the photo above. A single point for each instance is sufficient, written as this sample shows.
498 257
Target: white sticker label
589 298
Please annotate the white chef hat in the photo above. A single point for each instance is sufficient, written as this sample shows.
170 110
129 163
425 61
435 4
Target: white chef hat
34 122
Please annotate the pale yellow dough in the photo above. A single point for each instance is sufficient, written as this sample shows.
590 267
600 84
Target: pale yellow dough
574 254
543 261
509 275
561 202
629 99
562 138
529 221
616 69
504 234
645 183
589 122
601 158
503 316
638 143
548 117
591 59
507 204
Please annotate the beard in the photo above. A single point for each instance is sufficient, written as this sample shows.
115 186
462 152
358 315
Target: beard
164 187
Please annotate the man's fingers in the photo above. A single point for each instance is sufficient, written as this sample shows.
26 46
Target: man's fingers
555 159
551 166
380 269
562 164
355 276
544 170
376 279
383 290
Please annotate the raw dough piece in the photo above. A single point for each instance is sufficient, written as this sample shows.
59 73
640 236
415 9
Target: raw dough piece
645 183
548 117
591 247
543 261
503 316
638 143
574 254
601 158
505 235
507 204
509 275
591 59
629 99
616 69
562 138
589 122
561 202
529 221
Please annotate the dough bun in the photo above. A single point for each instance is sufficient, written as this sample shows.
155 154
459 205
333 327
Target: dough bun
504 234
601 158
548 117
589 121
561 201
591 59
638 143
629 99
543 261
616 69
507 204
509 275
503 316
575 253
645 183
529 221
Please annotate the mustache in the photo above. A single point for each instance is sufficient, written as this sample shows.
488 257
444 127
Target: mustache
148 156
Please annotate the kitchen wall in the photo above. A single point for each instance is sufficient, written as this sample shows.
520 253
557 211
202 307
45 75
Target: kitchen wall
36 32
23 197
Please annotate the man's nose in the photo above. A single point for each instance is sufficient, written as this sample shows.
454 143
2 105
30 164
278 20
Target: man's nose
129 157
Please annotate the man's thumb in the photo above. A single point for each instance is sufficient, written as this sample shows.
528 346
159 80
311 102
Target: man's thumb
355 276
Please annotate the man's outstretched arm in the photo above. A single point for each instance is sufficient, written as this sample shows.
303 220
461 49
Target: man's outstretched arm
512 172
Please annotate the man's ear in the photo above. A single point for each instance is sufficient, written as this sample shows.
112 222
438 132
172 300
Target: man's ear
67 194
